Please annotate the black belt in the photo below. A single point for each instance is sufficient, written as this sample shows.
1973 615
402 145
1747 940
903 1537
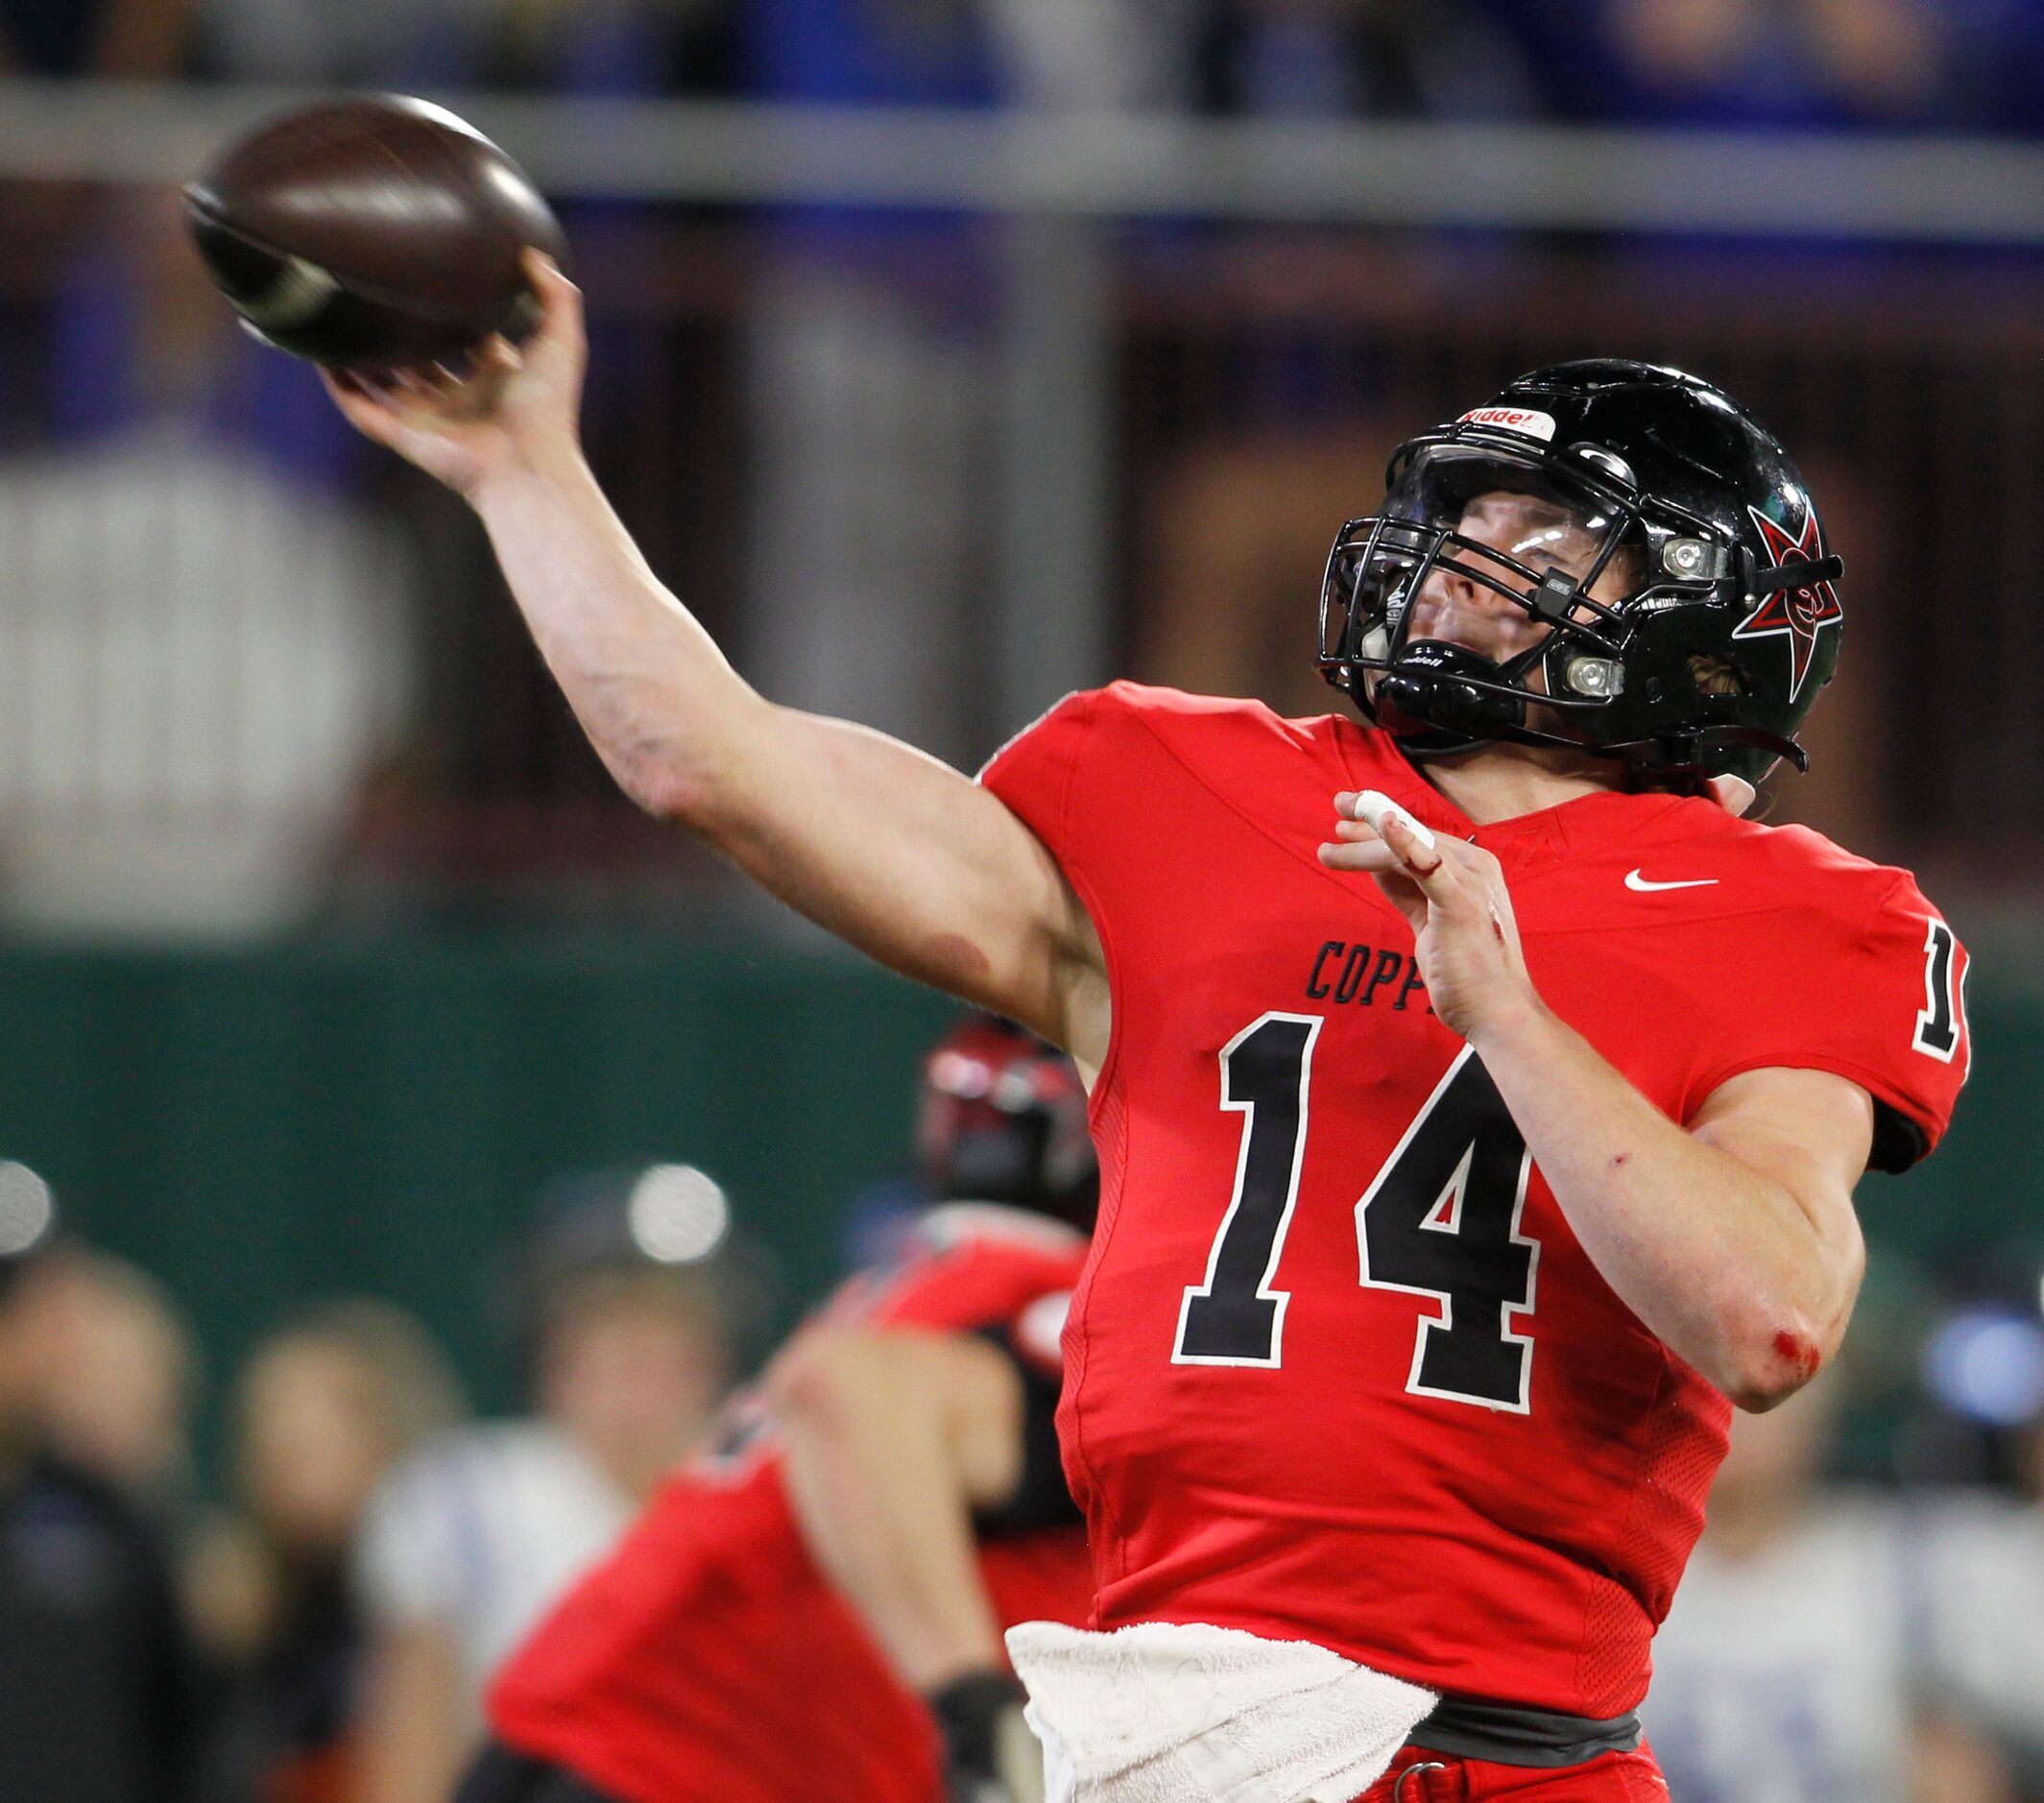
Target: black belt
1508 1734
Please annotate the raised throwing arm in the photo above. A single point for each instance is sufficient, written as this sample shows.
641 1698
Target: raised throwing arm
896 852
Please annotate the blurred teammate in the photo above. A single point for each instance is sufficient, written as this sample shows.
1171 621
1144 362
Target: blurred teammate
864 1525
1456 1185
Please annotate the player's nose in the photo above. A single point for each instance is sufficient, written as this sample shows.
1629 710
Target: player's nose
1448 587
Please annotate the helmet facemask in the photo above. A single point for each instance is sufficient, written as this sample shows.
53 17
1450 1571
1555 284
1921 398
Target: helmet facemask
1510 537
1592 584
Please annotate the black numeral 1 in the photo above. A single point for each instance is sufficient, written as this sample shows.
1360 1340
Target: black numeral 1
1235 1318
1937 1025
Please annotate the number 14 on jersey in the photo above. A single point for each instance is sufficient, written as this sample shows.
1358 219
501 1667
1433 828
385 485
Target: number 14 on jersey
1439 1220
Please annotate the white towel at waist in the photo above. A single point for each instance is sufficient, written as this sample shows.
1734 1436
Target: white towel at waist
1167 1713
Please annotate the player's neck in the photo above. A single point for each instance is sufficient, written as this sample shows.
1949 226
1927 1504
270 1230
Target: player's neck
1503 782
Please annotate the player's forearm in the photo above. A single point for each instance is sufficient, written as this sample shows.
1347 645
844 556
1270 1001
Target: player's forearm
875 1484
1724 1266
413 1728
659 699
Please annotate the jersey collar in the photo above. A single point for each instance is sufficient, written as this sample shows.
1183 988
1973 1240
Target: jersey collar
1525 841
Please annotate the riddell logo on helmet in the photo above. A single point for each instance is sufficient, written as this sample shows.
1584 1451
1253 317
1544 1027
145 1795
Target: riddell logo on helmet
1512 419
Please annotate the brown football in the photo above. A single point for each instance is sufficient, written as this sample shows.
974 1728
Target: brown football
372 234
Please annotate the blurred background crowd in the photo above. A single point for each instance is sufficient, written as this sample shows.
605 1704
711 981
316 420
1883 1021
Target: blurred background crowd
318 1624
325 946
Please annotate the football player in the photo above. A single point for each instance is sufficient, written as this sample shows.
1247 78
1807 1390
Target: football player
1462 1172
810 1611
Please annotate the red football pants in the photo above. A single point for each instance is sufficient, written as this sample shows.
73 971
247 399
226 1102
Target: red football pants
1609 1778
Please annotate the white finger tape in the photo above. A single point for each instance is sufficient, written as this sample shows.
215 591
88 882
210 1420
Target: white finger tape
1377 807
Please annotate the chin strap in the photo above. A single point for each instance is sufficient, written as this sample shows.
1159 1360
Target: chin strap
1670 751
1446 665
1688 750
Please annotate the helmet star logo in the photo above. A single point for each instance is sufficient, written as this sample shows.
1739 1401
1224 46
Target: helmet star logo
1799 613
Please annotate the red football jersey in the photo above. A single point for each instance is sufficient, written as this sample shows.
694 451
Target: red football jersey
708 1660
1337 1369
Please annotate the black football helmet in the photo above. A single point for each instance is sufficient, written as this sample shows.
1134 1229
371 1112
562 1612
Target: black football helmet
1718 624
1003 1120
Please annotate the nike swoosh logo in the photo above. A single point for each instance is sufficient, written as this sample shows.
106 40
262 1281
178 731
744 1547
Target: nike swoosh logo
1634 880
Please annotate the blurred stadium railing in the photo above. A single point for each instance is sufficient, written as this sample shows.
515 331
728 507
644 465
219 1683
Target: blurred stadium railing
934 416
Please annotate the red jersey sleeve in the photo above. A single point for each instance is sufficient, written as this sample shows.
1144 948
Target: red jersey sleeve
1088 779
1077 779
1033 772
1874 993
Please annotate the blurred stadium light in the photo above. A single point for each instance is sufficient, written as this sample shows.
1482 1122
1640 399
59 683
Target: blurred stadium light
677 1214
1987 1365
26 1209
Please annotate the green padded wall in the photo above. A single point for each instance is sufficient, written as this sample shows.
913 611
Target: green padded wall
260 1127
378 1113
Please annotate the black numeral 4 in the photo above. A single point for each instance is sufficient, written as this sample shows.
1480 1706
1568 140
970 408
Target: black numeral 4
1442 1220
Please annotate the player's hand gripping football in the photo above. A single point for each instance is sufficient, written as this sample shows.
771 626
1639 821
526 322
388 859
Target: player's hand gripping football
512 407
1455 896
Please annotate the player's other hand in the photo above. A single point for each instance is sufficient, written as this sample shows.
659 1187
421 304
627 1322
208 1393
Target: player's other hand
512 407
1454 894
